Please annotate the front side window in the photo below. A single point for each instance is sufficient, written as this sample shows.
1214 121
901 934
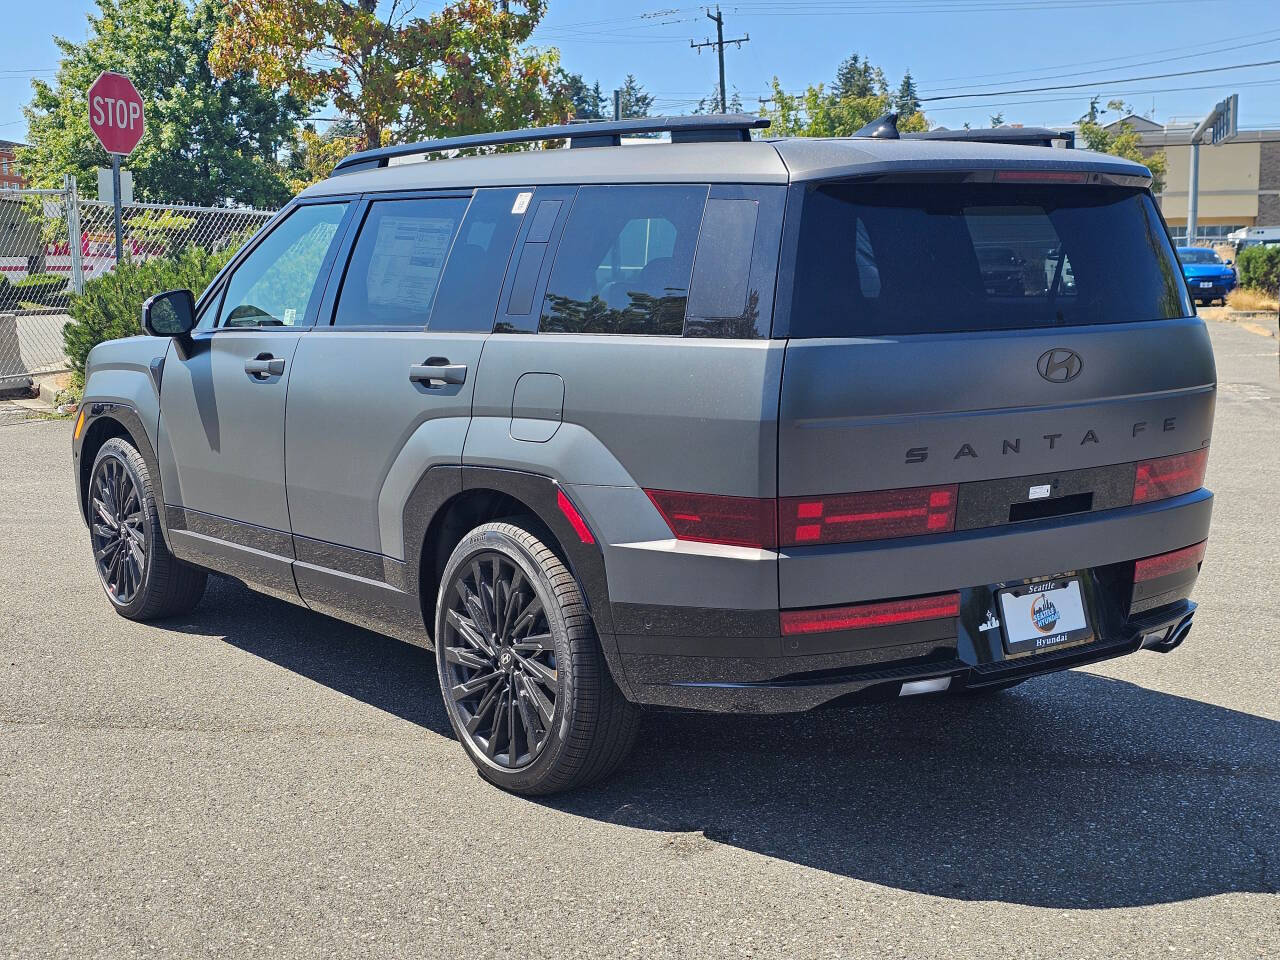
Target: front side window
395 267
624 263
275 283
880 259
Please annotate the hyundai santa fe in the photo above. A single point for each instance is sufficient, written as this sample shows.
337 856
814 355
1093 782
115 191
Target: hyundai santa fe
719 423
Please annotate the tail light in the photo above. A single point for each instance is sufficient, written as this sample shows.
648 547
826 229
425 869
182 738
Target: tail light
1041 176
709 518
1169 476
1164 564
859 616
877 515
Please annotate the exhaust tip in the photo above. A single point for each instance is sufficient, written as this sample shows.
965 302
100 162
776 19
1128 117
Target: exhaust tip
914 687
1173 637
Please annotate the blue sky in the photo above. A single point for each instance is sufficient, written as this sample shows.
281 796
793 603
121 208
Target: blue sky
950 46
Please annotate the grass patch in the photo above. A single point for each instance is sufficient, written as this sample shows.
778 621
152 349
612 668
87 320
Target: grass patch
1248 298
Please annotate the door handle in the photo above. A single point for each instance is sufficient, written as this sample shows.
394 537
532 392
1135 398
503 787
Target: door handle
438 370
264 365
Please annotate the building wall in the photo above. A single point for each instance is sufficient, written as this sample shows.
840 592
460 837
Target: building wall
9 179
1269 185
1230 180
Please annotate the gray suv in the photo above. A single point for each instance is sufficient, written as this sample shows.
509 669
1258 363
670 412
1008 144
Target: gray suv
718 423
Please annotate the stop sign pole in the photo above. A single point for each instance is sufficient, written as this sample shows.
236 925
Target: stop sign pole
116 119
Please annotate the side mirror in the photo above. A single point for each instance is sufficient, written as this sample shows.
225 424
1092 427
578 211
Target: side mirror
170 314
1228 262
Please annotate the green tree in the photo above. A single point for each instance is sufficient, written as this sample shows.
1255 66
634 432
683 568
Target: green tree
996 120
461 69
858 78
207 141
907 100
1121 142
635 102
820 113
711 102
587 103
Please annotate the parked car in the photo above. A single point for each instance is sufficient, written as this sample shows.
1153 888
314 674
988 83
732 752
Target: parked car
720 424
1208 276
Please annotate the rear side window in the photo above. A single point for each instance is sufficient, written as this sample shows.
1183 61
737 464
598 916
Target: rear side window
477 263
395 268
886 259
624 263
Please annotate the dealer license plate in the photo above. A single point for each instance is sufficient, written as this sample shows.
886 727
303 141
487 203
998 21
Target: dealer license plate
1042 616
1205 284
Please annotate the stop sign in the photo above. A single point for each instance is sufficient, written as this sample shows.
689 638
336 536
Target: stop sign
115 112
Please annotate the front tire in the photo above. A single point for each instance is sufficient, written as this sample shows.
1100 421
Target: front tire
142 579
524 680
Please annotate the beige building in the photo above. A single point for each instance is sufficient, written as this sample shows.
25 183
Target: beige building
1239 180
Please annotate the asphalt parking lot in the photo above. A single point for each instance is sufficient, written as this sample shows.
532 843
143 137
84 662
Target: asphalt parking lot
255 780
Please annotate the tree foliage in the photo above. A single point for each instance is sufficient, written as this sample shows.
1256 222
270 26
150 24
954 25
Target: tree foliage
711 102
462 69
635 102
819 113
857 78
907 100
1123 142
207 141
586 103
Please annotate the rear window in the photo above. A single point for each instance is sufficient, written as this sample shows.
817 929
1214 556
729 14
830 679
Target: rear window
885 259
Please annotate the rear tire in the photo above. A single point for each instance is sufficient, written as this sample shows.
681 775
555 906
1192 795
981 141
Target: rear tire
142 579
524 680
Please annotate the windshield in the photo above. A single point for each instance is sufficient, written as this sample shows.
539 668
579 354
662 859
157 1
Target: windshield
1197 255
877 259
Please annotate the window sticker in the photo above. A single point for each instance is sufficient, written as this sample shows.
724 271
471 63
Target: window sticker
522 202
408 256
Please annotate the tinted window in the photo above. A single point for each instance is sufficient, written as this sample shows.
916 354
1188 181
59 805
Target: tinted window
877 259
624 262
395 267
477 263
722 270
275 283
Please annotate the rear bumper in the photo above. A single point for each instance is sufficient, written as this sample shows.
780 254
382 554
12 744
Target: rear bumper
1161 630
736 660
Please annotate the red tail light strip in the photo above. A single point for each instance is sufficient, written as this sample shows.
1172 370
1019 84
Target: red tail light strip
877 515
862 615
1164 564
1169 476
574 517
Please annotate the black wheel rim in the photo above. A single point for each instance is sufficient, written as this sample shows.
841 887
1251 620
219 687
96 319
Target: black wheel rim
500 661
119 541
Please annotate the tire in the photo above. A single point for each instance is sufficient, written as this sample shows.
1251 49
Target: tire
512 632
142 579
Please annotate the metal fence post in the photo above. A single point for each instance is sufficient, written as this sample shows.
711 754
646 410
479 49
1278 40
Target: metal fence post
72 200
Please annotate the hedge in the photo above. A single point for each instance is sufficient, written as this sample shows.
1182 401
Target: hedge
1260 268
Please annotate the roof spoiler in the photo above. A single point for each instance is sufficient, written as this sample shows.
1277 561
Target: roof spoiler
698 129
1019 136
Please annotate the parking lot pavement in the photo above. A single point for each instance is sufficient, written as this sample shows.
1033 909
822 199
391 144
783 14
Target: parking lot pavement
256 780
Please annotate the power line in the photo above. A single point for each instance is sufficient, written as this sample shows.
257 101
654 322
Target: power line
1097 83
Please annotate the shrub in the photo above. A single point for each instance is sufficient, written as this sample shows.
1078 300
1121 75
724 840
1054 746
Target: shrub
42 290
111 305
1260 268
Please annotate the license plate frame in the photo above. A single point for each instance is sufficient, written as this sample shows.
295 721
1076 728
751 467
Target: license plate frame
1044 615
1206 284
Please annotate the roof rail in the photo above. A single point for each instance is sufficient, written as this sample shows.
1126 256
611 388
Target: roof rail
725 126
1021 136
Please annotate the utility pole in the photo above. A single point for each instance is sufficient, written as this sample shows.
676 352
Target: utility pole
617 104
1220 125
719 43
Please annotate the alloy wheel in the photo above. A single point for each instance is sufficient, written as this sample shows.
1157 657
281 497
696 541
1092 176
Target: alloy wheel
116 523
500 660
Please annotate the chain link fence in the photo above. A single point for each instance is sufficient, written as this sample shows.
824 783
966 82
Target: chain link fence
52 242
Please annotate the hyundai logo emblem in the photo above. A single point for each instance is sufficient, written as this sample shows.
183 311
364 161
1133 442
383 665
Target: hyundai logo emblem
1059 365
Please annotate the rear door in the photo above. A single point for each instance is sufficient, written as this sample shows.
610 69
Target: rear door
949 339
222 401
382 389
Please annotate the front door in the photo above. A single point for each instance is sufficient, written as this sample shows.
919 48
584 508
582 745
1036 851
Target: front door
222 404
381 393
